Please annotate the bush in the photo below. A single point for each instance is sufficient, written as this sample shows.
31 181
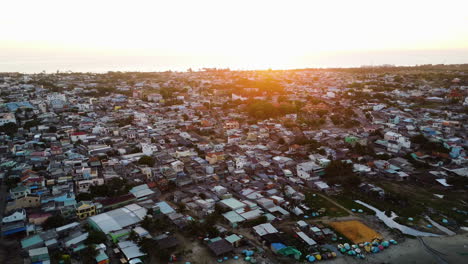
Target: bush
54 221
146 160
95 237
9 128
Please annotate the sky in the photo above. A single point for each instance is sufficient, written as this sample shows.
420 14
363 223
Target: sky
102 35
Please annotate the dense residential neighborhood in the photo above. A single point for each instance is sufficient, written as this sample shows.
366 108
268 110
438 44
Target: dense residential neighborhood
216 165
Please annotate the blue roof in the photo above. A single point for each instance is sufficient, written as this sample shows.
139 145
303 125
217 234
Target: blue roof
278 246
13 106
31 241
165 208
101 256
13 231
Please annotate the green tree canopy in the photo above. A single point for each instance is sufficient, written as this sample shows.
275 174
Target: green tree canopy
146 160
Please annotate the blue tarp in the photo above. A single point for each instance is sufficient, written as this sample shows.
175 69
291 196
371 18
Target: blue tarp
278 246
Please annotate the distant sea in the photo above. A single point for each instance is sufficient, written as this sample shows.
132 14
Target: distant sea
126 62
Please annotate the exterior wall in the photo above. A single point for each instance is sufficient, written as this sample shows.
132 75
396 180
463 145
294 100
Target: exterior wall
38 220
24 202
85 211
16 195
75 138
84 185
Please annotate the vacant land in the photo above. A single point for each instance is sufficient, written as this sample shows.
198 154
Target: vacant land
355 231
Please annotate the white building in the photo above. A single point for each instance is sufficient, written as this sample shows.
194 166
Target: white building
18 215
7 118
305 170
240 161
148 149
400 140
56 96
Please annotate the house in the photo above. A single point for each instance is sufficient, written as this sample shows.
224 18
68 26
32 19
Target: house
214 157
18 215
118 219
141 191
85 209
101 257
306 239
265 229
39 255
19 191
220 247
178 166
308 170
74 137
322 186
6 118
130 250
38 219
233 203
84 185
148 149
231 125
154 97
27 201
234 240
395 142
234 139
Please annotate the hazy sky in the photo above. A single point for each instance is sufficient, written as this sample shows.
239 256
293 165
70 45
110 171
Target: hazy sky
246 34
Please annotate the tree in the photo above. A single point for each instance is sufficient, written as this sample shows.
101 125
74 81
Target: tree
154 224
133 236
54 221
262 110
146 160
9 128
338 172
30 124
419 139
52 129
257 221
458 181
428 145
84 196
282 98
352 181
181 207
125 121
88 254
11 182
153 250
114 187
95 237
281 141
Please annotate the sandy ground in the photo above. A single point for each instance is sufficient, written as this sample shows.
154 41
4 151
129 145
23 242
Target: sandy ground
356 231
408 251
412 251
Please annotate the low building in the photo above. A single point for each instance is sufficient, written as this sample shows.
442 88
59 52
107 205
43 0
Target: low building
118 219
85 209
27 201
6 118
18 215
